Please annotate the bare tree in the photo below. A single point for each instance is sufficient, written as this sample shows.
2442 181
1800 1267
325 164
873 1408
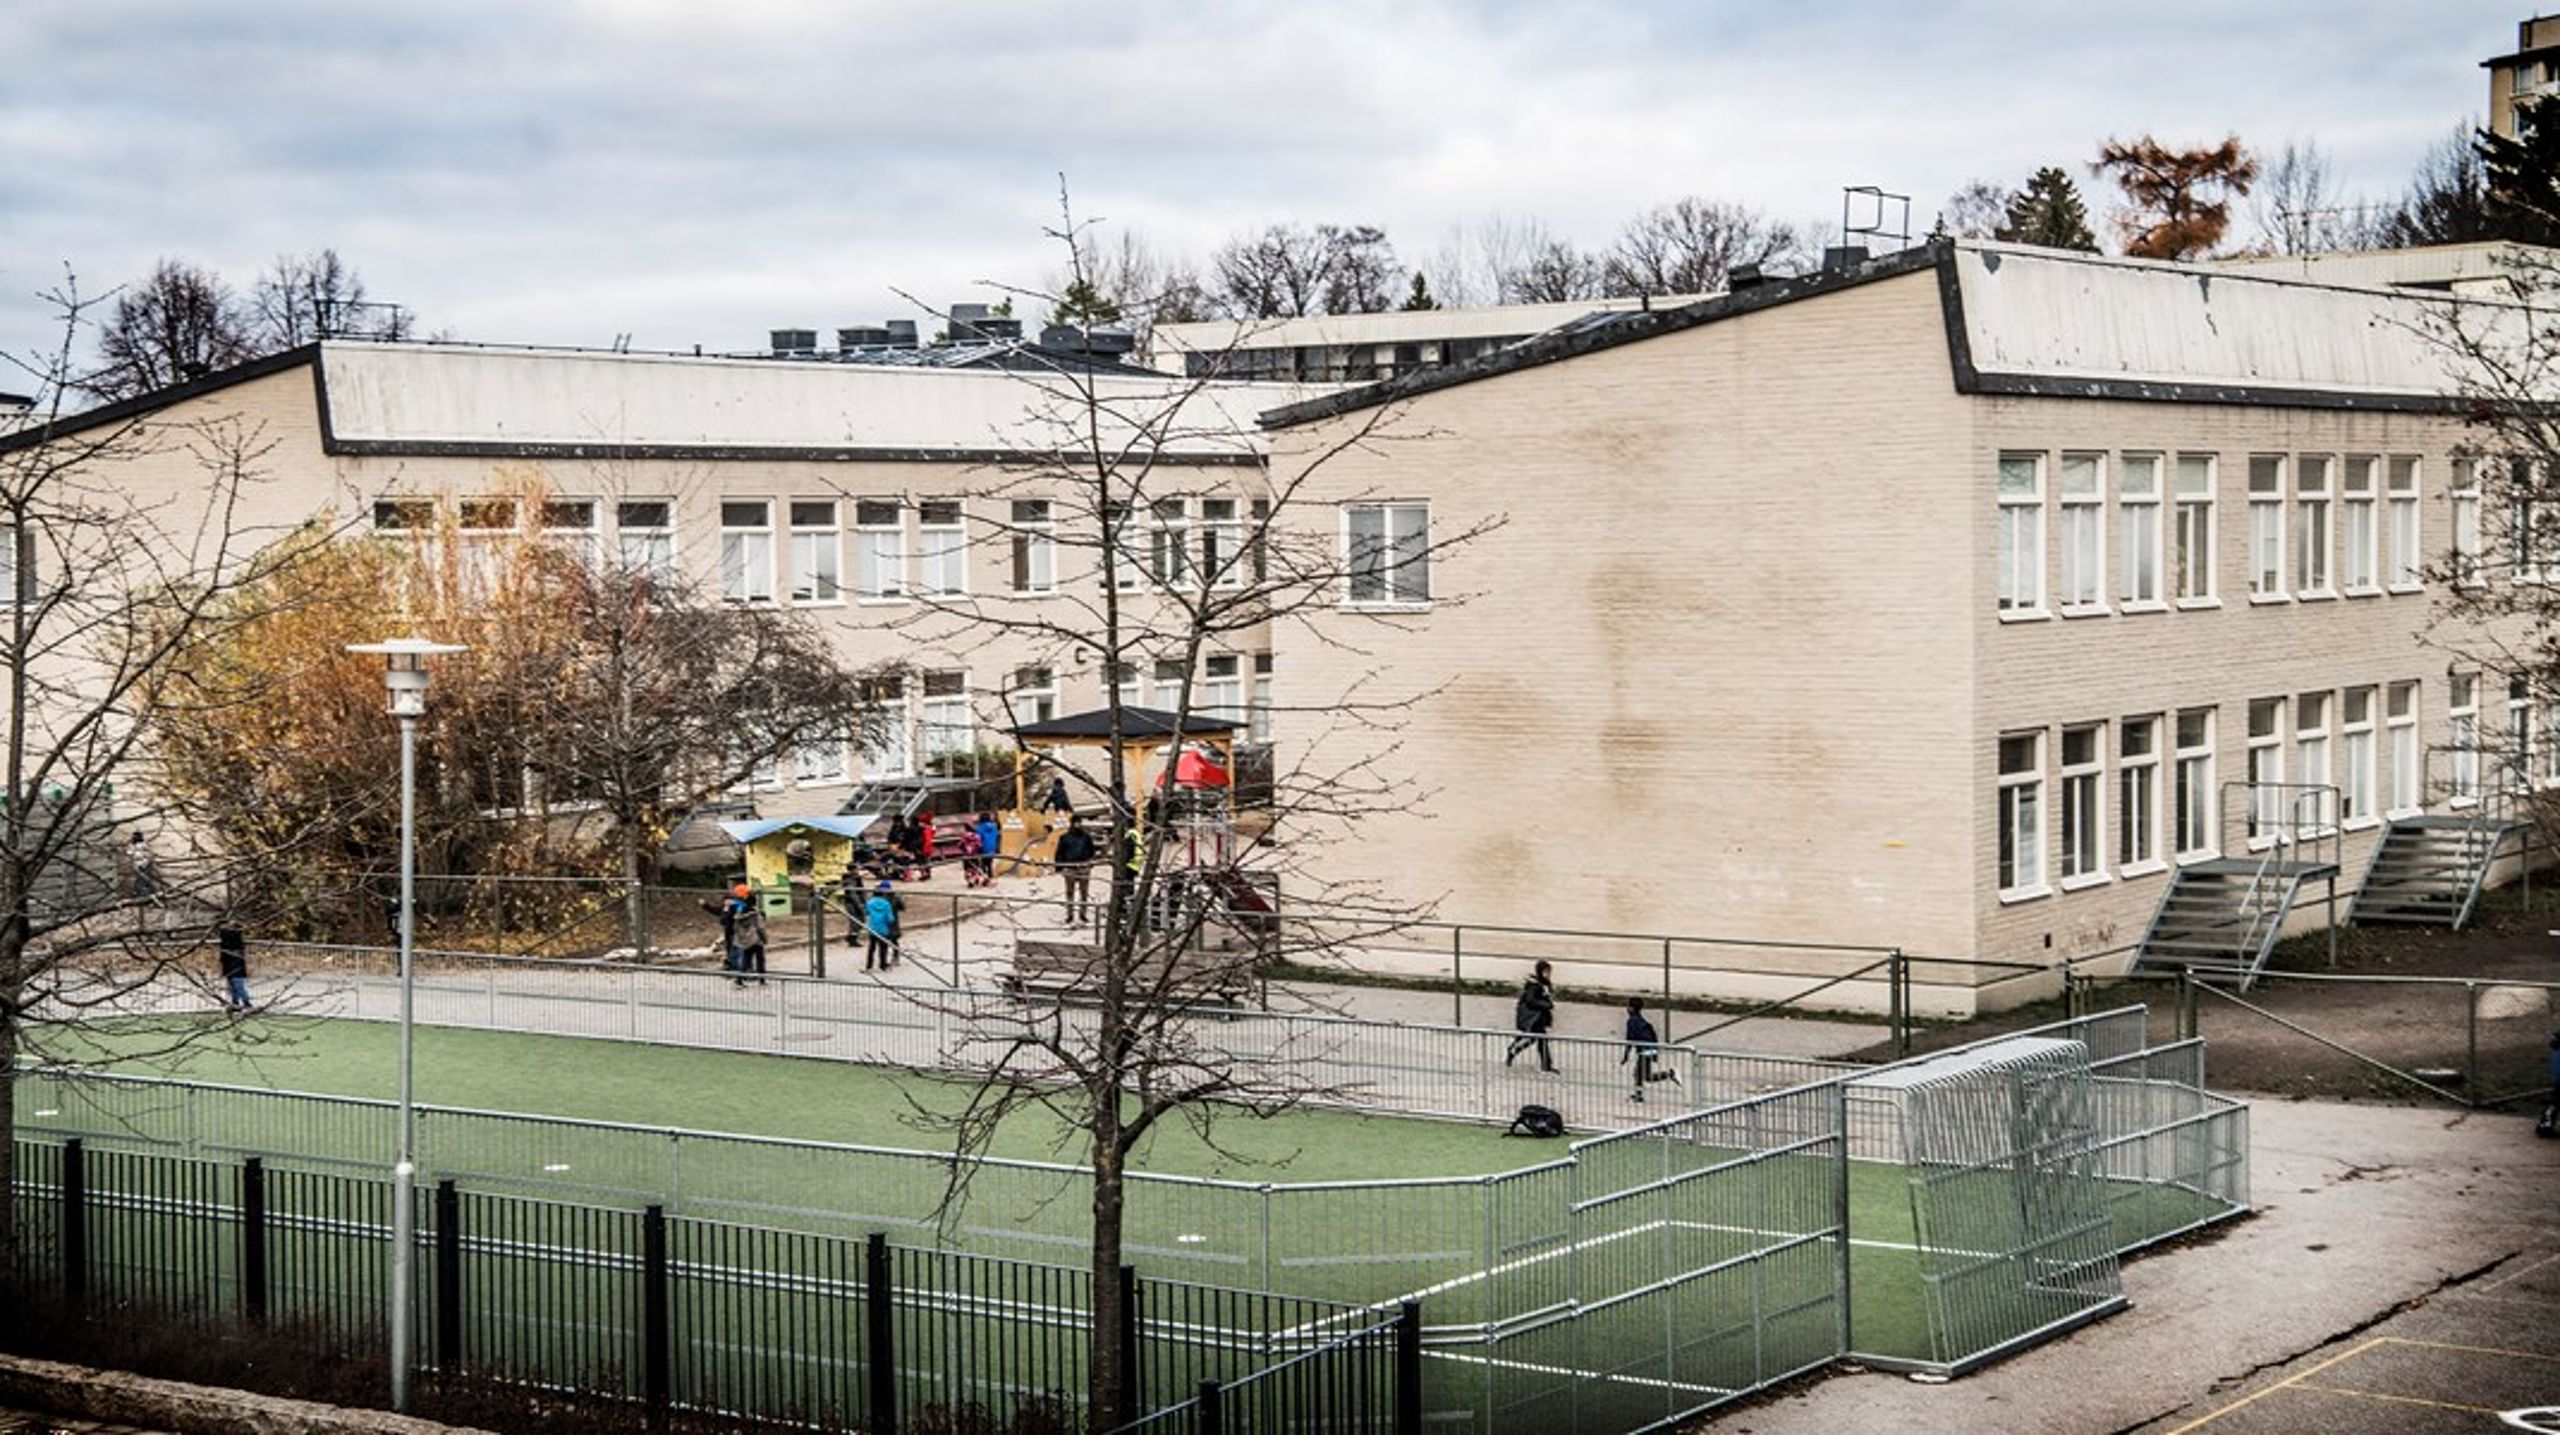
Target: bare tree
1977 210
1172 538
2448 200
1129 281
2177 202
180 323
302 298
108 586
1287 271
1691 245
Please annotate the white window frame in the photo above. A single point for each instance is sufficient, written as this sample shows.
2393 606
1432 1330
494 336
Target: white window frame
946 721
2195 799
1259 712
2470 558
2528 563
1222 688
889 729
1396 576
2314 763
1169 544
1031 695
2359 526
1168 675
1129 559
942 548
2138 763
879 550
13 567
2018 818
2359 766
574 525
2018 547
821 762
1032 571
2315 527
2265 770
817 551
2408 755
483 525
2462 739
1222 557
2139 481
2080 485
2266 529
2519 752
2404 556
2193 540
643 546
746 550
2081 833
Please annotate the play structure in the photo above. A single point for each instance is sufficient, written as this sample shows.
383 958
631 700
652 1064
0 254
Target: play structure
814 849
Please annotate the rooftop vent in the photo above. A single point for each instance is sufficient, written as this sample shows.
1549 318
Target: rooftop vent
1743 276
875 337
1841 258
902 333
789 342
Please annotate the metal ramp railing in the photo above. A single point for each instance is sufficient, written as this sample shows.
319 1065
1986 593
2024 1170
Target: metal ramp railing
2220 919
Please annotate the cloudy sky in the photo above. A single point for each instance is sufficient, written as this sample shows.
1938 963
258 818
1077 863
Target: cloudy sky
698 171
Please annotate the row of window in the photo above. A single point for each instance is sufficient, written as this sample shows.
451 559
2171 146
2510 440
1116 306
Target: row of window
934 715
903 550
2318 526
2128 796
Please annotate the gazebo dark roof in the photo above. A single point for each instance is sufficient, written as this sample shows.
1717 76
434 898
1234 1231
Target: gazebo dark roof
1134 723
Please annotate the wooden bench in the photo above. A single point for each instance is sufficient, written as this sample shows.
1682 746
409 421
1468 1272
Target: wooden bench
1072 971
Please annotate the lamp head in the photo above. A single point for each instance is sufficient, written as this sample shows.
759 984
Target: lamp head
405 670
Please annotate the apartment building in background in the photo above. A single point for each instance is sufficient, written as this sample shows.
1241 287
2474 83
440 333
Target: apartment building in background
1949 602
2525 75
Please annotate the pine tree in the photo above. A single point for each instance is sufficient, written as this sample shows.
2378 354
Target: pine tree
2524 178
1420 296
2049 212
1084 305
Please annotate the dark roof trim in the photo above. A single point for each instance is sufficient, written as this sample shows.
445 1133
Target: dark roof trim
1634 328
623 452
2048 386
125 409
2538 52
1135 723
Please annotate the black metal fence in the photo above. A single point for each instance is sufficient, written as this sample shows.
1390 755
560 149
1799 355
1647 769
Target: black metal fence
677 1314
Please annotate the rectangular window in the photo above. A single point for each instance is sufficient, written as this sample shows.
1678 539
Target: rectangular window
2401 558
2191 561
2356 757
1222 687
644 534
12 569
818 762
1169 543
1260 721
1120 542
1034 548
2469 566
2266 768
1387 552
948 727
571 525
764 774
1258 541
2082 774
1032 696
2021 819
2359 536
2137 793
2138 529
746 550
942 549
2518 775
2311 531
1169 673
888 749
483 528
2462 736
879 548
2019 552
2266 527
817 552
2195 820
2525 513
2083 489
2408 765
2308 812
1126 687
1221 543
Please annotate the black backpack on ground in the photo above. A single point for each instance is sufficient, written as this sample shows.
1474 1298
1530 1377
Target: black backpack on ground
1541 1121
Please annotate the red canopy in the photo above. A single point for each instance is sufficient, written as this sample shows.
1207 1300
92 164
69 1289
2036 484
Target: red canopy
1195 769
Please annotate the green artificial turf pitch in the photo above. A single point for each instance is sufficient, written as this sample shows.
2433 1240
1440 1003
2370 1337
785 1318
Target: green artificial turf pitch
1484 1252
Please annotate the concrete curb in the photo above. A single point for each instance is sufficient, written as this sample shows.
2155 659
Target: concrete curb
123 1399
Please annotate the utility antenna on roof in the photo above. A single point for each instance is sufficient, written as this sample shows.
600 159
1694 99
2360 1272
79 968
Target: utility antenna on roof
1868 213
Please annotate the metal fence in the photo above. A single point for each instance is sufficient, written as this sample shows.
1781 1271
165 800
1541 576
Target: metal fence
1363 1380
1637 1276
665 1312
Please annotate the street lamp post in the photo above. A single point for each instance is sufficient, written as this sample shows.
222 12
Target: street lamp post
405 675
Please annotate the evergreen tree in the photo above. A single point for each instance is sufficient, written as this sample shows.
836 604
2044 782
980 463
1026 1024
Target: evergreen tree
1083 304
1420 296
2049 212
2523 175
